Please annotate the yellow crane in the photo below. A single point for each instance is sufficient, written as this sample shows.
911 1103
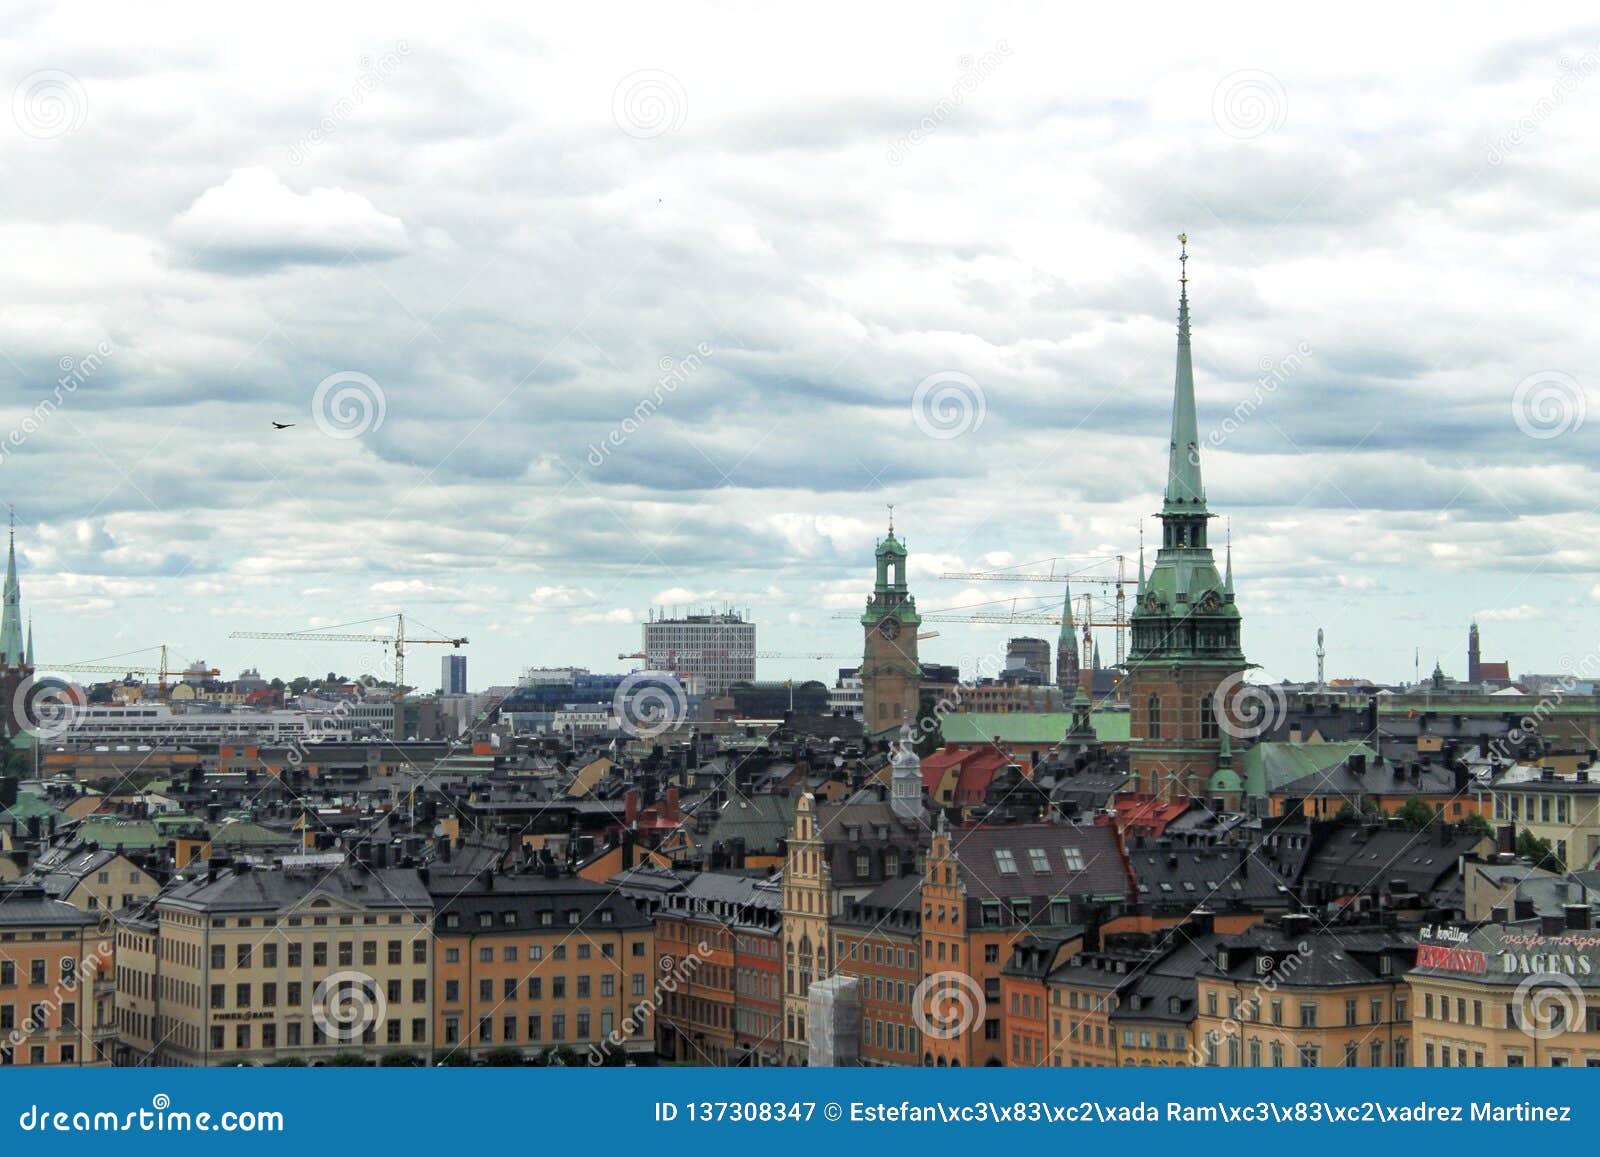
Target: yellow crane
399 640
159 672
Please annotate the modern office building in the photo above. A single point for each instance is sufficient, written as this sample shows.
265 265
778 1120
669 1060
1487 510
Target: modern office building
713 651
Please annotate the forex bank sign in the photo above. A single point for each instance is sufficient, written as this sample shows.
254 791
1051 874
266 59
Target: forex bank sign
1507 952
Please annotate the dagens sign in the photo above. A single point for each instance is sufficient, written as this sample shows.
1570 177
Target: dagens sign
1509 952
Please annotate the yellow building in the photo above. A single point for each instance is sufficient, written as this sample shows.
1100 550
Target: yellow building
95 879
1515 993
56 1005
1293 995
1563 810
247 967
527 964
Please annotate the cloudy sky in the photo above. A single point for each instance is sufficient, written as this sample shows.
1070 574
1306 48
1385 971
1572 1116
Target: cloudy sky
663 307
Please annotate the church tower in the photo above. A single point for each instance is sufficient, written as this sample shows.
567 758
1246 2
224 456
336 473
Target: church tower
1474 653
905 791
1067 649
1185 650
16 656
891 677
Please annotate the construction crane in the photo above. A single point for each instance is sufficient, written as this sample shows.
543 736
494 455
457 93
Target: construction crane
399 641
159 672
1120 584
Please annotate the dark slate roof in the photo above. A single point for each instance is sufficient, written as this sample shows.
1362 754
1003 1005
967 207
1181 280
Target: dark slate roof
526 898
894 905
1305 954
1102 874
246 890
1364 858
27 906
1219 877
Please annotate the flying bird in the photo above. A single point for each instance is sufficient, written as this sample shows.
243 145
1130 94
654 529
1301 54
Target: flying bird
281 425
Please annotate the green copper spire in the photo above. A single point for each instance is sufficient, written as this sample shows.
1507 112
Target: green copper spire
1184 488
12 653
1067 625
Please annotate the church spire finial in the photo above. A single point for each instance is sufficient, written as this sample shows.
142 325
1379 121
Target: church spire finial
1184 489
891 517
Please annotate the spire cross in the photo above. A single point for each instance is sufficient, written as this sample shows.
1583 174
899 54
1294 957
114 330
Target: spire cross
891 517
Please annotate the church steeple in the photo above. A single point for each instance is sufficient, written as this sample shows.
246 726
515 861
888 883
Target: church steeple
1185 492
1185 644
1068 663
12 649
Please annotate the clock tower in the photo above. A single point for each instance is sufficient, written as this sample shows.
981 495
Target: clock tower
1185 661
891 677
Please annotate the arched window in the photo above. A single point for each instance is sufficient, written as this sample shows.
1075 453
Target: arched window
1208 718
1153 728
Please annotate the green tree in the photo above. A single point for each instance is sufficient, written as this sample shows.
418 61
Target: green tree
1476 824
1539 852
1415 814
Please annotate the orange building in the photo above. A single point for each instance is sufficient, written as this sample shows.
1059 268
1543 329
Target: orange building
876 939
987 888
56 981
528 964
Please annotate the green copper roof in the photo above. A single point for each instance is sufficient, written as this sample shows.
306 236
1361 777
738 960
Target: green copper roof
1185 610
1068 628
1184 489
12 649
1268 766
1030 726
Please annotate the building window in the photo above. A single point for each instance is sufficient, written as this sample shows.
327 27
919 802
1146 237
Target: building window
1153 717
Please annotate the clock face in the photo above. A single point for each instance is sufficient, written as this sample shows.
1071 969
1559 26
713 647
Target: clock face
889 628
1152 601
1210 602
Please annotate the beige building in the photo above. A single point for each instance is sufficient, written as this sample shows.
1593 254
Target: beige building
1290 995
94 879
1563 810
1514 993
247 967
